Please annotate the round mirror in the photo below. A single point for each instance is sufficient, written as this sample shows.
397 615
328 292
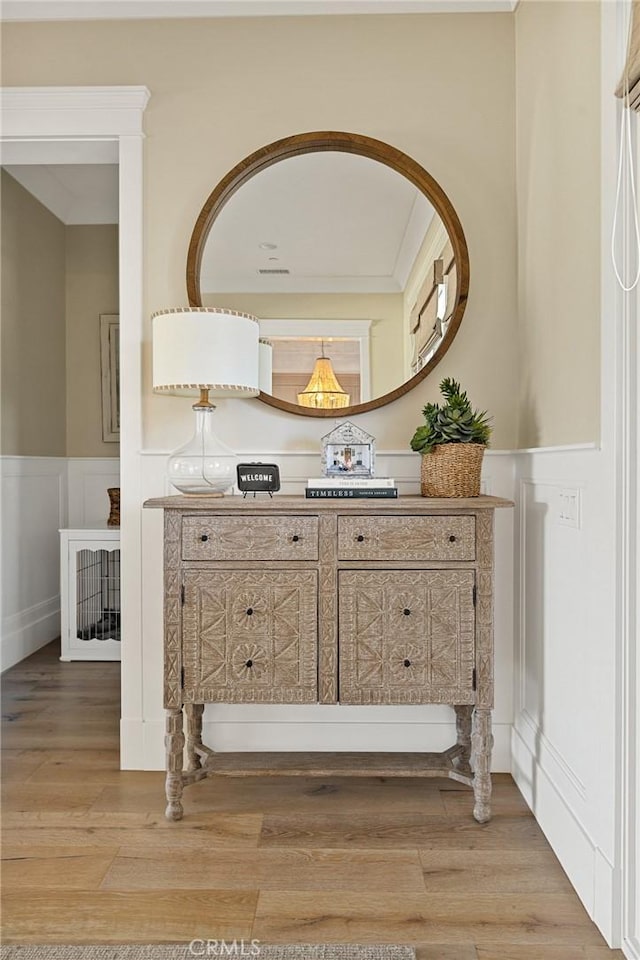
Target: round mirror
352 257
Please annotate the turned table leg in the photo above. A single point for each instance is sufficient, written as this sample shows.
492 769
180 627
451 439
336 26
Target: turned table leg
194 713
174 743
464 713
481 744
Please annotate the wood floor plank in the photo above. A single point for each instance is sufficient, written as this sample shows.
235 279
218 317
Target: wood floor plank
70 819
82 713
13 687
23 796
223 830
55 867
516 951
126 780
446 951
98 734
133 917
346 917
138 868
492 871
108 758
17 708
602 953
17 771
280 795
402 831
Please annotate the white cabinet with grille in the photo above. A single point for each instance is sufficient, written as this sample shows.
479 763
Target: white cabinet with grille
90 594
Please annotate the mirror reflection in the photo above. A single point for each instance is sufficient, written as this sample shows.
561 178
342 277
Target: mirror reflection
349 268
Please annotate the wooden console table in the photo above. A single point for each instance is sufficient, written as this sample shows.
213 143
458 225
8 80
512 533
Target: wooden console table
329 601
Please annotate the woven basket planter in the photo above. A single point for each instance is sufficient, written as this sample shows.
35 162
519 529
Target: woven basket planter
452 470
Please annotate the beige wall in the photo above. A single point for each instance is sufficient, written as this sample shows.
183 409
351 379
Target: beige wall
558 181
91 289
33 326
56 281
439 87
383 309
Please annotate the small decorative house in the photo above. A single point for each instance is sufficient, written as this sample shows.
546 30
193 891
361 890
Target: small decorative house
348 451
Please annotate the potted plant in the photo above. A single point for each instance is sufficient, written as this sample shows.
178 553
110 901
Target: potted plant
452 442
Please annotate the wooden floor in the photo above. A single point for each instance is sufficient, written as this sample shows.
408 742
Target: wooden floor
89 857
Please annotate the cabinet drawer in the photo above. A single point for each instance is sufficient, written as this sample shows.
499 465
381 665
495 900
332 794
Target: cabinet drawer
407 538
406 636
250 538
250 637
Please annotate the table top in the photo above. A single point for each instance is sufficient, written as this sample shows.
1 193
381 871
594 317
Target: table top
262 503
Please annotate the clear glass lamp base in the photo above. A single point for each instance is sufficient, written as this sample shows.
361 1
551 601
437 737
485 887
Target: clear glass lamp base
204 466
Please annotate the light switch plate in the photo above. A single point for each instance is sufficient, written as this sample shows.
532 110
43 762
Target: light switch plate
569 507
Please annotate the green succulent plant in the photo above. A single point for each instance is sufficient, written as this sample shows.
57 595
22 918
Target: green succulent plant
452 422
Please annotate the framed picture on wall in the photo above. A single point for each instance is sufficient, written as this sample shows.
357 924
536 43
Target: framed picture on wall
110 367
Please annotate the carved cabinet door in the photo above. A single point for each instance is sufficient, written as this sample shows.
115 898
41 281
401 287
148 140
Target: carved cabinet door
250 637
406 636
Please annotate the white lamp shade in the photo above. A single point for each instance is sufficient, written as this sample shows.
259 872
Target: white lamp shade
265 356
205 347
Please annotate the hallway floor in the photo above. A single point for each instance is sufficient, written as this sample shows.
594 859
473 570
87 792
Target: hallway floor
89 857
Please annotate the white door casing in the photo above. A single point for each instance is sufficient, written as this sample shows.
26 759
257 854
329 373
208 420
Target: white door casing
41 115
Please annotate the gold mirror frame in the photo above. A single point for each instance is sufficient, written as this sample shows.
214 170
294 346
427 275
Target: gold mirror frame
346 143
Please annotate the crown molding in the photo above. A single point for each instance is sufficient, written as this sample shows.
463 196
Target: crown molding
38 10
83 112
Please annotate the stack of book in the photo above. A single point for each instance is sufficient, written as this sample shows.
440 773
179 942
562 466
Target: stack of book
345 487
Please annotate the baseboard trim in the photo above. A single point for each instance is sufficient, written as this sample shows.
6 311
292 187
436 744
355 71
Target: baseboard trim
589 871
132 746
27 631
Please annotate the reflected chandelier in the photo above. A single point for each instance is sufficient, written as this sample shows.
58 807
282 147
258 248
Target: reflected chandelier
323 389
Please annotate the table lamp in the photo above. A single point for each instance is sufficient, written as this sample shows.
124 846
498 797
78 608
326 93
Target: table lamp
204 351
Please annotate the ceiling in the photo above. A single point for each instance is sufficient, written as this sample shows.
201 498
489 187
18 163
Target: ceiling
28 10
77 180
74 193
338 222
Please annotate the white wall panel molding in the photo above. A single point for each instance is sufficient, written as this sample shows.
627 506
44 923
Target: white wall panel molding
564 756
89 478
27 631
33 508
566 781
568 836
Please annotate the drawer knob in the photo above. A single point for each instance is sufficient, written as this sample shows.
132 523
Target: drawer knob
360 538
249 663
295 538
452 538
407 663
204 537
407 613
249 611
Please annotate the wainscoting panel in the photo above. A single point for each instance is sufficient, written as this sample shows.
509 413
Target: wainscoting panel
34 507
564 757
40 495
89 479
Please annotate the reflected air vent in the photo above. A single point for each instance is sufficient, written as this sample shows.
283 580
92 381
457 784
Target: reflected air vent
274 271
